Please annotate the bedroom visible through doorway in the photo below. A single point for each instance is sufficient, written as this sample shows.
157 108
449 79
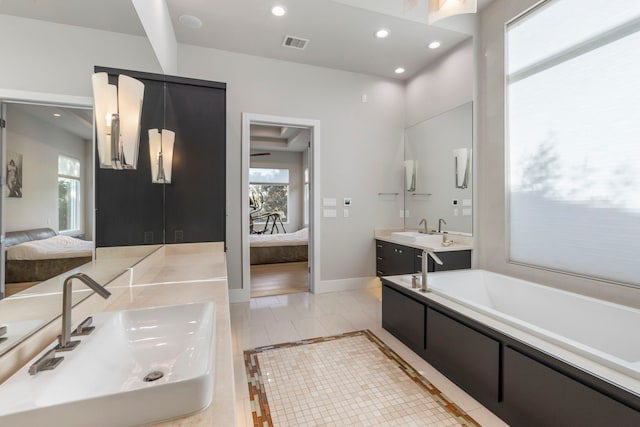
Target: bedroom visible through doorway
279 191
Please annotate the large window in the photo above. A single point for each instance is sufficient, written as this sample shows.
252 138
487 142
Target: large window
573 132
68 194
270 189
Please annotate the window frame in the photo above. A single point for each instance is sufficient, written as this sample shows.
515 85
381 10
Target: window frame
287 185
78 204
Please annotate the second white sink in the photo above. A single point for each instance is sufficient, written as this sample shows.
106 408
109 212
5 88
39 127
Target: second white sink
428 240
105 380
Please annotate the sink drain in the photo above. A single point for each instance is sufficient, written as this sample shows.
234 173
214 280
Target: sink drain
153 376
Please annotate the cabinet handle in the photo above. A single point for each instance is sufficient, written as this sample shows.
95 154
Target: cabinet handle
419 256
379 246
380 258
395 250
400 251
380 273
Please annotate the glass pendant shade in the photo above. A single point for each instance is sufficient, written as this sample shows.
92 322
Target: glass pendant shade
118 110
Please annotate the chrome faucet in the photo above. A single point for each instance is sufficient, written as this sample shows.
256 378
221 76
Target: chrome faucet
440 222
64 340
426 229
425 266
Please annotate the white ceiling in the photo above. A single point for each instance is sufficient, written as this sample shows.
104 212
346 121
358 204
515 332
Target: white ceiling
340 31
76 121
278 138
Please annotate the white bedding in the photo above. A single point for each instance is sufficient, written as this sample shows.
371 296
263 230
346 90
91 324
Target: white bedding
52 248
298 238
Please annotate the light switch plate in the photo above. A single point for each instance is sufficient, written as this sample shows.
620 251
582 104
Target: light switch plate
329 213
329 202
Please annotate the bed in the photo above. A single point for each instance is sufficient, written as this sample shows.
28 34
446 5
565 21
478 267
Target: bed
39 254
279 248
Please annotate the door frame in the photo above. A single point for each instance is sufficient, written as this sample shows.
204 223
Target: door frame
314 193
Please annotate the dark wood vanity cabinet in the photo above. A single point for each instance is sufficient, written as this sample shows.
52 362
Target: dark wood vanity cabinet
452 260
393 259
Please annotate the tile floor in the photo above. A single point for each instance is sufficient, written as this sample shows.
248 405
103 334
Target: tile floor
286 318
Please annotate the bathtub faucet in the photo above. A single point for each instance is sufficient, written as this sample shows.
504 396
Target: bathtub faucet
425 267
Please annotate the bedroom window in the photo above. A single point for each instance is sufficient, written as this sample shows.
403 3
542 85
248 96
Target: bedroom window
573 127
68 193
270 188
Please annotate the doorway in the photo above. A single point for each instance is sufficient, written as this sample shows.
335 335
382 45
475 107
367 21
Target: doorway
279 177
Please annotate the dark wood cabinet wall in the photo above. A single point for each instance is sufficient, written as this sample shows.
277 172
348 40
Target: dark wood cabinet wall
519 383
130 209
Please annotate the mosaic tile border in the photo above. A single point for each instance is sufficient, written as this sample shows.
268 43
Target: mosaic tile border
258 396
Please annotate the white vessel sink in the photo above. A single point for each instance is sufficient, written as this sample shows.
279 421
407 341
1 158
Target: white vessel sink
101 382
428 240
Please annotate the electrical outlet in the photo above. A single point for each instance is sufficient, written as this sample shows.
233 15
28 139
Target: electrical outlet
178 236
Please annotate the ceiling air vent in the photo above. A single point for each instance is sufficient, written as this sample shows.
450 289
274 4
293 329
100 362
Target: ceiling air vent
295 42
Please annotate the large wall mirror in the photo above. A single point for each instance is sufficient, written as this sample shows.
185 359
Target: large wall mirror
57 190
437 168
48 215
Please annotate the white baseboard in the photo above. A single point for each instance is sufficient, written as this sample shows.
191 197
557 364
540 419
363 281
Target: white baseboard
346 284
239 295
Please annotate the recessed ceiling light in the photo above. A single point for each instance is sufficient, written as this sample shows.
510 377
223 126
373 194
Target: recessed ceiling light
57 115
278 10
382 33
190 21
399 70
434 45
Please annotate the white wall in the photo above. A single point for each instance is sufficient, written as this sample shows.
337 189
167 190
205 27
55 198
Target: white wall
442 86
40 144
360 148
41 56
361 143
490 158
293 162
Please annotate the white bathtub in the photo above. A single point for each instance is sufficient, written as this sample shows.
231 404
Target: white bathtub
601 331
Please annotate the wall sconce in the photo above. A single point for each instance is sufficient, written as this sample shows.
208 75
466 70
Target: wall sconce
117 111
462 166
410 172
161 153
440 9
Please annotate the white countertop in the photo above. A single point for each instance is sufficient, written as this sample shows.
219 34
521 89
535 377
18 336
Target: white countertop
175 274
460 242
